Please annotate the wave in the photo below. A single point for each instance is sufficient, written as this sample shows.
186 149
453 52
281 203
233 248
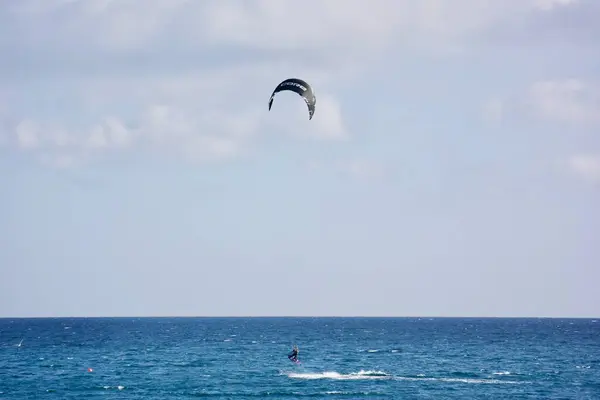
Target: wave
457 380
338 376
120 387
392 350
381 375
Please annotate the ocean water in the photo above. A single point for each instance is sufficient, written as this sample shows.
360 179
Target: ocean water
341 358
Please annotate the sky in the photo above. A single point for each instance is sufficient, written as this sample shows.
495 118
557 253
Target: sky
452 167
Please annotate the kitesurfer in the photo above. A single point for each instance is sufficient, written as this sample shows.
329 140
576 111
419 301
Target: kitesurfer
293 356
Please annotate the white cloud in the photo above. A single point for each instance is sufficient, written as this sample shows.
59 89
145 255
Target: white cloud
289 114
331 125
60 161
193 78
325 24
569 100
352 25
97 139
207 136
548 5
586 166
110 134
27 134
360 169
493 110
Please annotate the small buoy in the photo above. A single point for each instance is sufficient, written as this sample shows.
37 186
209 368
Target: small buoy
90 370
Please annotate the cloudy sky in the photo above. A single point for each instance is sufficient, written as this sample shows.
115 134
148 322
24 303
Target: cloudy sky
452 167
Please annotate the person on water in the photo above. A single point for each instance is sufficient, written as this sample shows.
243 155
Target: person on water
294 354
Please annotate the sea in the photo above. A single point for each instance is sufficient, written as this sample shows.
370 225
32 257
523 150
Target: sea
341 358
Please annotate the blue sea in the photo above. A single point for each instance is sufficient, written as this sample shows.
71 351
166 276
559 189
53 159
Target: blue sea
341 358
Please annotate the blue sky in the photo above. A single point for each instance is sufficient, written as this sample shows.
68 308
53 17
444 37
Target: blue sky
452 167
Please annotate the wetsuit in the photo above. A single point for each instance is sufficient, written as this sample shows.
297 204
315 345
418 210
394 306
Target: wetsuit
293 355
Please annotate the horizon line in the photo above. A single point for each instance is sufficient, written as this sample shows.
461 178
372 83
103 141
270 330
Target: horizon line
298 317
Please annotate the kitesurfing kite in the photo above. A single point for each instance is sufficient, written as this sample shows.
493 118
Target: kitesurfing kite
302 88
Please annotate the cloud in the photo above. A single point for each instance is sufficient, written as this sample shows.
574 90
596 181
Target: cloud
80 79
347 25
569 101
287 117
493 110
176 116
548 5
207 136
566 101
27 135
362 169
586 166
170 130
359 169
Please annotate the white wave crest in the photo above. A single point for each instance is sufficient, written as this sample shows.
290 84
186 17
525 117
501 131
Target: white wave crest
458 380
373 374
337 376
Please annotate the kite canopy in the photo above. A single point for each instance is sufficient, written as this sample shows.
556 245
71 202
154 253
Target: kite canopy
302 88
